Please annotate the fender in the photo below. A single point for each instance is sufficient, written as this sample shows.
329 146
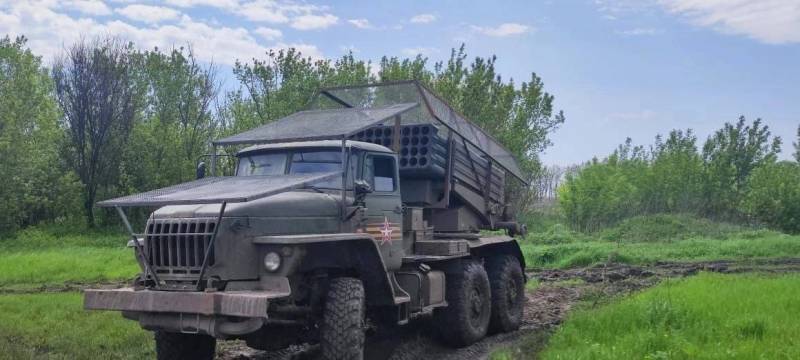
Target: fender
493 245
347 251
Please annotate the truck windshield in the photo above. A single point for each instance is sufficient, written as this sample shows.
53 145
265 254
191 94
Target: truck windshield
262 164
299 162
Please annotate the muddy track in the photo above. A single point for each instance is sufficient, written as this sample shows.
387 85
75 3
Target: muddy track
546 307
60 288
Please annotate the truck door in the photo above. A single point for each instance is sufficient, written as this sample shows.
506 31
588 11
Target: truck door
384 207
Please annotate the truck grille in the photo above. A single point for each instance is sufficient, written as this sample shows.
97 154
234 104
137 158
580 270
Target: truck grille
177 246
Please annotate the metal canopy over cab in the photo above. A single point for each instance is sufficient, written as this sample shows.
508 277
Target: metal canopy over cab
326 124
213 190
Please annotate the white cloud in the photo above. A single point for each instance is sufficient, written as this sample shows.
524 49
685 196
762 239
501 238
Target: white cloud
314 22
301 15
50 31
613 9
424 51
423 18
261 11
360 23
503 30
268 33
222 4
90 7
640 32
149 14
769 21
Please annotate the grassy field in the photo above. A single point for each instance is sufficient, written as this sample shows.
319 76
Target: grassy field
655 238
55 326
52 256
709 316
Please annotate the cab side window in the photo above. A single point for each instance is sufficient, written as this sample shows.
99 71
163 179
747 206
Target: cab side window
380 172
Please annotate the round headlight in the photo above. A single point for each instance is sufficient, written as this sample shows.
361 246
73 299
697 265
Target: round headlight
272 261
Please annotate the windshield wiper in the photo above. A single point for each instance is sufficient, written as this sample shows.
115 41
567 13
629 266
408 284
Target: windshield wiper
312 187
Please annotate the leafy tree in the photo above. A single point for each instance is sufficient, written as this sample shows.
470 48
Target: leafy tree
675 178
797 147
177 122
773 196
98 93
35 185
285 83
729 156
396 69
601 194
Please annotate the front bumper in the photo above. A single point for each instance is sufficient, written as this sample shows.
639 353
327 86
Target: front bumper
231 303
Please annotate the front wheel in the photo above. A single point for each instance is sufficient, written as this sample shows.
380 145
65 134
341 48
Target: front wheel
342 330
179 346
465 320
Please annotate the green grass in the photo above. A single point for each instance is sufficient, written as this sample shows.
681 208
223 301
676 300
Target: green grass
710 316
588 253
51 255
54 236
647 239
675 227
55 326
71 264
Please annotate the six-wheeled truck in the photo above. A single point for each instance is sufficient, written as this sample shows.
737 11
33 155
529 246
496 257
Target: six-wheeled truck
379 205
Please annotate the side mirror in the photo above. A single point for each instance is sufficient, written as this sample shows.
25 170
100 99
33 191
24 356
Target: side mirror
362 187
201 170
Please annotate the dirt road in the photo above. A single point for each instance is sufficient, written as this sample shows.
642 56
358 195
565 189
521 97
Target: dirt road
546 307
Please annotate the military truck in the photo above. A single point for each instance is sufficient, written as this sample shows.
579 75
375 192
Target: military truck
377 206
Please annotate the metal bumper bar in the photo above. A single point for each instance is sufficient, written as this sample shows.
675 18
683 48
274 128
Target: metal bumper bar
233 303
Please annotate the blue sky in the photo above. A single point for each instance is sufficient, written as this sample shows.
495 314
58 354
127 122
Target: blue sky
618 68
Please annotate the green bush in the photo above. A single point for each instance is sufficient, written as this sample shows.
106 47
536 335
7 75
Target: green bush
555 234
667 227
674 177
773 196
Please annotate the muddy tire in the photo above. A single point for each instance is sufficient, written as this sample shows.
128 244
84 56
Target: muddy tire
465 320
177 346
342 329
508 293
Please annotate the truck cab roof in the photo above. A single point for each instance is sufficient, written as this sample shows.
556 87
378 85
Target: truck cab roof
316 144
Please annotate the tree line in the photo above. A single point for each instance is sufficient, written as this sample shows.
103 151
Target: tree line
107 119
734 176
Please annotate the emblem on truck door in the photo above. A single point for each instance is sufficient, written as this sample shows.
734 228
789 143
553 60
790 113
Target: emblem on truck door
386 231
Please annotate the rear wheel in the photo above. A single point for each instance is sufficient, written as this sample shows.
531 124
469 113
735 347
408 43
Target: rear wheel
342 330
465 320
508 293
178 346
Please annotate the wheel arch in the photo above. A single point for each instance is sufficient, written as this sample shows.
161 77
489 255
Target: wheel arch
351 254
491 247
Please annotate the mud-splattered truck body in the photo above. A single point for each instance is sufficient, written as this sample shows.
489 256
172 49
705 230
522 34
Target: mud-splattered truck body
366 211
